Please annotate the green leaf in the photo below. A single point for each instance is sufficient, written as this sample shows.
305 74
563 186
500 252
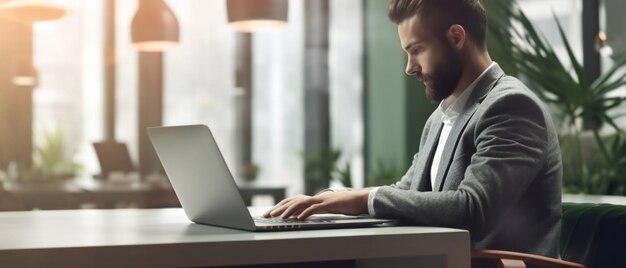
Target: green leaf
579 70
603 78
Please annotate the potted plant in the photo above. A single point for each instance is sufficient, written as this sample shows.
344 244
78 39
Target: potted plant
322 166
52 163
581 107
249 172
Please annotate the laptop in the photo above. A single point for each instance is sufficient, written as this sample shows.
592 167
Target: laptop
113 156
208 193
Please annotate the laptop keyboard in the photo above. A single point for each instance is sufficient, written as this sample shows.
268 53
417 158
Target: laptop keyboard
291 221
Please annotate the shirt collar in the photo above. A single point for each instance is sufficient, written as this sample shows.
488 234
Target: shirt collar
452 106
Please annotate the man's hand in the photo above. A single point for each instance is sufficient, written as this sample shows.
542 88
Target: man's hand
303 206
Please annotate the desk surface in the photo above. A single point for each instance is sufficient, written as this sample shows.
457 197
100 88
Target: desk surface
598 199
88 192
164 237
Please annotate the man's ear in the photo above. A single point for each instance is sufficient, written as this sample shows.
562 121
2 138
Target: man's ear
456 36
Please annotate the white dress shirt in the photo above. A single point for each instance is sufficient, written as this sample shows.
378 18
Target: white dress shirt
450 109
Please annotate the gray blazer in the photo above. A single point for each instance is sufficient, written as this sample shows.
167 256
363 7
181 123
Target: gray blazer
499 176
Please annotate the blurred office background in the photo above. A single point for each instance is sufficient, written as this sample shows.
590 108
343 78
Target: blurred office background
320 99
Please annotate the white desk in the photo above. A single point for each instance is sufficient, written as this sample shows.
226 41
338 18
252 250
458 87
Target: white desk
164 237
598 199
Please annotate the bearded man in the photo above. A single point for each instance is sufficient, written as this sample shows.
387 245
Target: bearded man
489 159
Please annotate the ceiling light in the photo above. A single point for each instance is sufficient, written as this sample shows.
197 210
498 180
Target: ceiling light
30 11
154 27
252 15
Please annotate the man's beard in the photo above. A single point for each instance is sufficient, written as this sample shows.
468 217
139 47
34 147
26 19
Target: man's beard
442 81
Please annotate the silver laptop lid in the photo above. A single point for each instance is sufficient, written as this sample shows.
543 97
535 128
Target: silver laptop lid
200 176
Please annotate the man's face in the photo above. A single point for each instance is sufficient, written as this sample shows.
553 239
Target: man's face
431 59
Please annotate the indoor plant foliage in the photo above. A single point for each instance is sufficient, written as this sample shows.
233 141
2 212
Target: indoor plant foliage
385 174
52 160
581 107
322 166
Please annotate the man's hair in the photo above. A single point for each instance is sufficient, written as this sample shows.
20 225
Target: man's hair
439 15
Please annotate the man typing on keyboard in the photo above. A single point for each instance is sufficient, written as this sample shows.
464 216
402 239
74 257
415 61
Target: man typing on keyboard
489 159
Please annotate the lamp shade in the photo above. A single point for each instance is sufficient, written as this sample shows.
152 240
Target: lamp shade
154 27
24 72
251 15
30 11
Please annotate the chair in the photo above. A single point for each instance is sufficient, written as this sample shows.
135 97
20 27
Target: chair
508 259
593 235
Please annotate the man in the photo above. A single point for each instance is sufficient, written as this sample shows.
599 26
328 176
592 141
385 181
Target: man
489 158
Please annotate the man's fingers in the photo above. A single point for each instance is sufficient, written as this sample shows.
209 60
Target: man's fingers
280 207
313 209
282 202
301 206
278 210
294 209
298 206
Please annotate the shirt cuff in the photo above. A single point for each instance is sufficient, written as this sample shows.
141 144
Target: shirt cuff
370 201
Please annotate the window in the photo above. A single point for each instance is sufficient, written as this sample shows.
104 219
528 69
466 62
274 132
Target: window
67 54
542 12
199 83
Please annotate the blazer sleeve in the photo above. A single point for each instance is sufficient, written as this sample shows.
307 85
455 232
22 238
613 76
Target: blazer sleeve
510 136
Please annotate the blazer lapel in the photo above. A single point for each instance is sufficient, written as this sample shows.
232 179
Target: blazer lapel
481 90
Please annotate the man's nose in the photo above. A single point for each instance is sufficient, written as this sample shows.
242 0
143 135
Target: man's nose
411 68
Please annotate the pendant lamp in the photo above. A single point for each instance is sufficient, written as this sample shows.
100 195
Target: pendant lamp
252 15
154 27
24 72
30 11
